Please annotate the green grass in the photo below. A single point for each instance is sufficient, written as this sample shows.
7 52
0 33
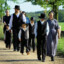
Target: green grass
62 25
60 47
1 32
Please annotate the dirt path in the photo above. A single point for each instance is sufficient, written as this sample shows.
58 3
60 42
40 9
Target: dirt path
10 57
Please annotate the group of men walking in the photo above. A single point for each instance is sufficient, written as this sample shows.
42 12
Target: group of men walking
25 30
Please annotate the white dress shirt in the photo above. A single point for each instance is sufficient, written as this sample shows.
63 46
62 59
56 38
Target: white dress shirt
11 19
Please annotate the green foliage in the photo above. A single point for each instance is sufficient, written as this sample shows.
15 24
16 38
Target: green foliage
47 2
60 16
3 6
54 4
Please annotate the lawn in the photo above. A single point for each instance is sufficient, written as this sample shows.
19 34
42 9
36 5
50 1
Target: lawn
1 32
60 47
62 25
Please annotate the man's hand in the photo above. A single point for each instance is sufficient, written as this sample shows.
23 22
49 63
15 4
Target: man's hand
58 36
10 31
20 40
4 23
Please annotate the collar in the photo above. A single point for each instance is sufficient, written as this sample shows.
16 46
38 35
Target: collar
18 14
41 22
24 29
31 24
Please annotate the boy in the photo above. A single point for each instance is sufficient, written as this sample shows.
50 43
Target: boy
32 34
41 38
23 37
7 37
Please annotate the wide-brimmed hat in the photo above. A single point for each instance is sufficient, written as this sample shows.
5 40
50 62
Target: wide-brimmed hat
17 7
42 16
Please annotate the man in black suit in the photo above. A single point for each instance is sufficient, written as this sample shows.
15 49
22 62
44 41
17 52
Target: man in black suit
41 38
6 19
16 20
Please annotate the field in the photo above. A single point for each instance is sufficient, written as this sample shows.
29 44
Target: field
1 32
62 25
60 48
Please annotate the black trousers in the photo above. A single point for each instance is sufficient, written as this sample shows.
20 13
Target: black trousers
8 39
41 47
24 43
4 28
15 39
32 41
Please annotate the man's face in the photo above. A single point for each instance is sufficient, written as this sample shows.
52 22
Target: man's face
23 25
32 21
7 27
16 10
51 16
42 19
7 12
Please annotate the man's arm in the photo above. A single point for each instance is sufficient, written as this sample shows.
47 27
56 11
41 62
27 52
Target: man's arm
36 29
58 33
24 18
3 20
19 35
47 28
10 22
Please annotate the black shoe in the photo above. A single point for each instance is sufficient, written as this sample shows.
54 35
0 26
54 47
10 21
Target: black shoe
6 46
14 50
43 60
39 58
17 50
52 58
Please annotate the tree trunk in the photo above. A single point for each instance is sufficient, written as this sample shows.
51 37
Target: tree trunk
55 9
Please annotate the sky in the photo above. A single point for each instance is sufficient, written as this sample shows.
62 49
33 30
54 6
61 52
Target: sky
26 6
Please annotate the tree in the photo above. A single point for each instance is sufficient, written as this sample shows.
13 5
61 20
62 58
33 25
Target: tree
4 6
53 4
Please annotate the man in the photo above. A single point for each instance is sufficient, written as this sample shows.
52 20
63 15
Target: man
6 19
41 37
27 19
15 22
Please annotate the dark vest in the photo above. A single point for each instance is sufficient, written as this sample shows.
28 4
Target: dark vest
41 30
6 19
24 34
31 29
17 22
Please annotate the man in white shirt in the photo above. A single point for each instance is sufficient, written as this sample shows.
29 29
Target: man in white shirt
16 21
41 37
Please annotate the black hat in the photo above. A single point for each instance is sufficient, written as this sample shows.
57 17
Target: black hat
17 7
32 18
42 15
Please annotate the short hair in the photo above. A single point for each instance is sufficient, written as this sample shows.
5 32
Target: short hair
24 12
6 10
51 12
